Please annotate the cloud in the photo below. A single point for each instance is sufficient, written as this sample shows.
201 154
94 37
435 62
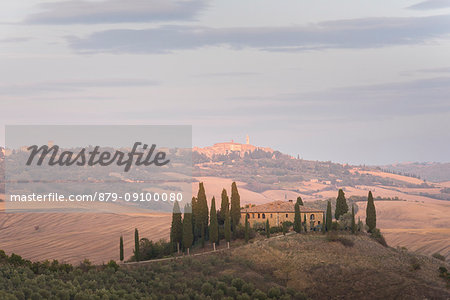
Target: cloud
355 33
430 4
115 11
435 70
72 85
15 40
349 104
228 74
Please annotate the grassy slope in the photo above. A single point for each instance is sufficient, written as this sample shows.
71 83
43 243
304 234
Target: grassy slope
323 269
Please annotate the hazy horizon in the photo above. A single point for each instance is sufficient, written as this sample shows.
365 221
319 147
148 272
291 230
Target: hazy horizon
350 82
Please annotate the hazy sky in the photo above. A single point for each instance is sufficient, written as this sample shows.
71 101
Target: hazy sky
348 81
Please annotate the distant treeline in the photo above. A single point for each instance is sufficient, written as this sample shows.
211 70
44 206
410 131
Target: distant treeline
398 173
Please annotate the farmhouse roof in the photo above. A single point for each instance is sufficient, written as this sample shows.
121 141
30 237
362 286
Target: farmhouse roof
279 206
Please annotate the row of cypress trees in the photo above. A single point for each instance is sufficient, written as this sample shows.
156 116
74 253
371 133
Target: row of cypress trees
199 225
342 208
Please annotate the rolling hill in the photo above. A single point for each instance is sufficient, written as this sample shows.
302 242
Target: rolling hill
411 212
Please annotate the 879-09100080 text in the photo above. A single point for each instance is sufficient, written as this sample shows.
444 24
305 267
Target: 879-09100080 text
98 196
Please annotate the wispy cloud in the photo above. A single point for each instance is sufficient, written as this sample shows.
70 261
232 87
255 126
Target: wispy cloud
355 33
115 11
435 70
353 103
228 74
15 40
72 85
431 4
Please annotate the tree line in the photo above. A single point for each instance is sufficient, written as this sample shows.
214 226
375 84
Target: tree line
199 225
345 220
196 226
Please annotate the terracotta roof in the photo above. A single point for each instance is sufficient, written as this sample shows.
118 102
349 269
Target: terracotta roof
278 206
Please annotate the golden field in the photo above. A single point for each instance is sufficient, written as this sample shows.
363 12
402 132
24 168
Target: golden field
420 224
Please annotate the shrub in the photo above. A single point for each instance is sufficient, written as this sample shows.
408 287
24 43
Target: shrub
16 260
377 236
415 263
248 288
217 295
274 292
243 297
85 265
232 291
113 265
334 226
207 288
226 278
237 283
346 242
221 286
443 273
300 296
439 256
258 294
259 226
345 221
276 229
288 224
239 232
3 255
334 237
152 250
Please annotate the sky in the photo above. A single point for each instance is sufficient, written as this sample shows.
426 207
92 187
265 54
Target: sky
350 81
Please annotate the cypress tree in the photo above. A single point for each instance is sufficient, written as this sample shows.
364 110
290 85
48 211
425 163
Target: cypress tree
176 230
188 235
341 205
267 228
246 229
201 216
224 207
297 219
353 220
235 206
121 248
195 218
213 226
227 228
304 223
324 224
203 236
136 245
299 201
329 217
371 214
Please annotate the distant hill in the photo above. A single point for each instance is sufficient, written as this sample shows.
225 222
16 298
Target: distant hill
266 169
430 171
